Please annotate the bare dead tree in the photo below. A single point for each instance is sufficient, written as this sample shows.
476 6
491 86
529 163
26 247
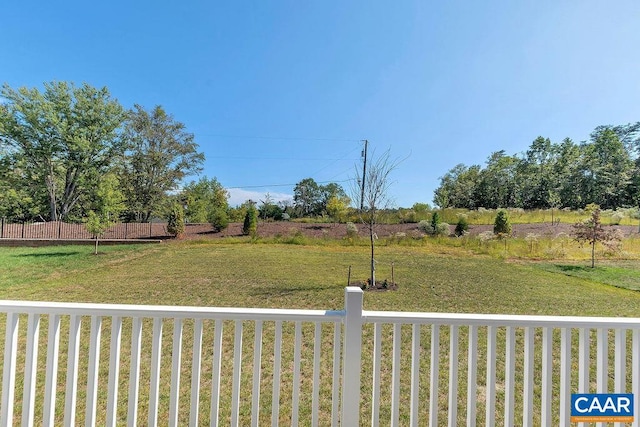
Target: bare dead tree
371 191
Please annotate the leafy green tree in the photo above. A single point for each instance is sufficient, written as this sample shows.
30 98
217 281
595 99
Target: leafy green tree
175 221
535 174
65 138
610 168
306 197
337 207
420 208
459 188
107 206
310 198
250 226
203 197
160 154
270 210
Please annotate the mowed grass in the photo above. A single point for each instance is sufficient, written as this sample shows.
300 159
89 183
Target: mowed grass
431 278
435 279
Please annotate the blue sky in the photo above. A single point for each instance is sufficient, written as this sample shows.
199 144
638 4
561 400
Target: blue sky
278 91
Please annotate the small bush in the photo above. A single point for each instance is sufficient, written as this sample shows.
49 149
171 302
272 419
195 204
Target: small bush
218 219
435 221
502 226
425 226
352 230
616 218
442 229
175 221
250 226
462 227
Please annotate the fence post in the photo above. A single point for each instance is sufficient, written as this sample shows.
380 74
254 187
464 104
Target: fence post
351 356
22 235
150 224
2 229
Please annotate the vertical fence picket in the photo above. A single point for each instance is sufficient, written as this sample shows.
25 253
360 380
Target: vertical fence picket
415 374
134 372
453 375
92 377
257 364
9 368
395 374
295 398
215 380
176 361
237 372
491 377
114 371
509 373
602 360
196 366
547 375
51 378
527 405
377 362
434 375
30 369
565 377
72 371
583 363
472 375
620 380
315 394
277 360
154 386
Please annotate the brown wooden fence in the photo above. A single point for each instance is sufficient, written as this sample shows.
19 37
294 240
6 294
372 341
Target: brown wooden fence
63 230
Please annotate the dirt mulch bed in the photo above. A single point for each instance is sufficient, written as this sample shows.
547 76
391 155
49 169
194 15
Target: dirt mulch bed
339 231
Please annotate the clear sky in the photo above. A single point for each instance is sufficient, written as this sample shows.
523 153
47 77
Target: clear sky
277 91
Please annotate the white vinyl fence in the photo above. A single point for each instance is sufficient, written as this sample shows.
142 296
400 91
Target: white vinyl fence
102 364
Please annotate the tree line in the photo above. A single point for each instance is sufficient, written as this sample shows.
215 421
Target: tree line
605 170
73 153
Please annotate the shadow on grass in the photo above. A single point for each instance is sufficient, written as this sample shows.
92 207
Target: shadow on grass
280 292
574 268
48 255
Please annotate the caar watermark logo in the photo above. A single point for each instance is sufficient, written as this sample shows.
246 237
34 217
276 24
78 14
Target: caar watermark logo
602 408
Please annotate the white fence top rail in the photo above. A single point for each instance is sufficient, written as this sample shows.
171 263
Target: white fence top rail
500 320
167 311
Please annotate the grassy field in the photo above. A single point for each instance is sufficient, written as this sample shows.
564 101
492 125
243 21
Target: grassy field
432 277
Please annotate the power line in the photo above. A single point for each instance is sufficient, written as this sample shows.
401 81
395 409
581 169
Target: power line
275 158
279 185
278 138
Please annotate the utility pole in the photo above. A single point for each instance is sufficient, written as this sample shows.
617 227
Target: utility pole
364 173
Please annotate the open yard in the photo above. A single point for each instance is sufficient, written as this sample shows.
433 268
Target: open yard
206 273
234 272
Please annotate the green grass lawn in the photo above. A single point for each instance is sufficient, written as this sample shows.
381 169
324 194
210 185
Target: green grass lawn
431 278
296 276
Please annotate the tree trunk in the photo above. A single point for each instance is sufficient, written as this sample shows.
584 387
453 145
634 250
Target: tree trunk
373 262
593 254
96 250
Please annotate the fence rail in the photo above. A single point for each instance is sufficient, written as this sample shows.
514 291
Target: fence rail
102 364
